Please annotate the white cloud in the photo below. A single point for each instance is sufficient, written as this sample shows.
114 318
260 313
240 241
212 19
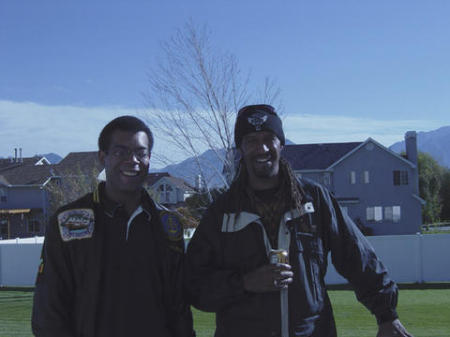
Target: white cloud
305 129
62 129
39 129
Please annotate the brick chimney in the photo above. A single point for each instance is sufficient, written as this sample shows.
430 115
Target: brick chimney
411 146
411 155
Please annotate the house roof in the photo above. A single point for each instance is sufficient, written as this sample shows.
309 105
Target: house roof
179 183
88 159
370 140
316 156
7 163
152 178
27 175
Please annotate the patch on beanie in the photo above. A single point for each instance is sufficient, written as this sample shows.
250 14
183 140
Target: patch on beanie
257 120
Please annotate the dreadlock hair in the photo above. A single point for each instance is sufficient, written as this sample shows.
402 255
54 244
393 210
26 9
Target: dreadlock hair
240 182
295 191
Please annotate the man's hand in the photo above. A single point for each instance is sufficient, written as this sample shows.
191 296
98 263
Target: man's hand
391 329
270 277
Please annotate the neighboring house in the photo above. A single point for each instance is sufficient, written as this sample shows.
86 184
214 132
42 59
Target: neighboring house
8 163
168 190
86 162
23 197
376 187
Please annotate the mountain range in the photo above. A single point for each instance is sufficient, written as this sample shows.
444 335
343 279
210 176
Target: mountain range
211 164
435 142
51 157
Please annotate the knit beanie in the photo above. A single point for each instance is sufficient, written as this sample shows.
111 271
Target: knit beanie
253 118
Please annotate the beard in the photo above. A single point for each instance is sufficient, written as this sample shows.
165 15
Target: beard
268 169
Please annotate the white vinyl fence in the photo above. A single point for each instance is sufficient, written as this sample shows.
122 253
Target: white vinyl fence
409 258
19 261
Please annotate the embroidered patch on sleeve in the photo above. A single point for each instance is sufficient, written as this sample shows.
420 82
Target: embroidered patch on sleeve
308 207
40 271
172 226
75 224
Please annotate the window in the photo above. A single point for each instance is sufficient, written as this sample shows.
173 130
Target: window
164 193
34 226
392 213
374 214
366 179
400 177
3 227
396 212
327 179
352 177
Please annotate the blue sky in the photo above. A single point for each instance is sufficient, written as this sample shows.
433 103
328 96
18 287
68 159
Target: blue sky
348 70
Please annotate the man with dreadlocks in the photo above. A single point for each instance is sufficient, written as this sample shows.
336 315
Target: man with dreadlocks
267 207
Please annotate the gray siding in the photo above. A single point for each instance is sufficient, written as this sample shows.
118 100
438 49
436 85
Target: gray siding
27 197
380 191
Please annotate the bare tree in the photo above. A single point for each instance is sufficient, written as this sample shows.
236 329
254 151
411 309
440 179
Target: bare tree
69 185
194 94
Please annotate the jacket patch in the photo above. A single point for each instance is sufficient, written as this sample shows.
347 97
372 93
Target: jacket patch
308 208
75 224
172 226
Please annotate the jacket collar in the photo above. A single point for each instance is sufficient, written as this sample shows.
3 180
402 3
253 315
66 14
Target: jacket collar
110 207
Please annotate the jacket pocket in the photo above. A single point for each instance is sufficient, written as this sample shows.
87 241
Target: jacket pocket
310 258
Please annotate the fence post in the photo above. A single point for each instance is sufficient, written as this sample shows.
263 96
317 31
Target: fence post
419 270
1 269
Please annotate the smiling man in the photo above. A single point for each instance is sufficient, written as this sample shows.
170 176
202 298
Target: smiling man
259 256
110 266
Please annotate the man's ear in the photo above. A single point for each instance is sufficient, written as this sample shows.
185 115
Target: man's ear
101 157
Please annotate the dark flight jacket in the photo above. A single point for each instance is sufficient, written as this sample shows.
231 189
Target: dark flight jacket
224 248
93 282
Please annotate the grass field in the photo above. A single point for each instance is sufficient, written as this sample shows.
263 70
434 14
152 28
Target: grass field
426 313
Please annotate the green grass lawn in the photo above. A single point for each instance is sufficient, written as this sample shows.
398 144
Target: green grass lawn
15 313
426 313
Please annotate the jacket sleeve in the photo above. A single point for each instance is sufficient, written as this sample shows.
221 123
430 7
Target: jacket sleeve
211 287
177 308
53 295
355 259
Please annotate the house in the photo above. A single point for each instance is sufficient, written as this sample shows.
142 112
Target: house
376 187
168 190
24 189
23 197
86 162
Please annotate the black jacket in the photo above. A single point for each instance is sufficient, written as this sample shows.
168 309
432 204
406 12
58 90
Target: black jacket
224 248
98 278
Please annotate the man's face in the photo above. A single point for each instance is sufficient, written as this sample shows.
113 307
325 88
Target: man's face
261 153
126 163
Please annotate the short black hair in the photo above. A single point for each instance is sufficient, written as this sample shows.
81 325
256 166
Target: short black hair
123 123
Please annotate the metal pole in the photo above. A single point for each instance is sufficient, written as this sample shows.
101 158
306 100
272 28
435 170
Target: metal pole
284 313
